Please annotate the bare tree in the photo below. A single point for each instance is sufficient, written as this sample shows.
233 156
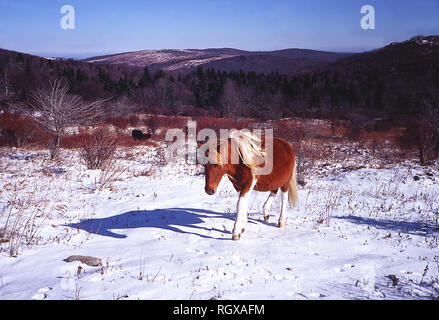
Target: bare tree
164 93
5 86
423 132
230 100
56 110
430 114
430 119
122 106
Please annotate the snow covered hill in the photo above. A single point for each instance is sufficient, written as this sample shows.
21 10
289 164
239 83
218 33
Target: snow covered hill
224 59
369 233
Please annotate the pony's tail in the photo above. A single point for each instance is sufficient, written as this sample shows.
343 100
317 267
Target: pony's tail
292 191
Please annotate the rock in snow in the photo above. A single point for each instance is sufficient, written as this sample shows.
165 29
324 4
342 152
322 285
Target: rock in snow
90 261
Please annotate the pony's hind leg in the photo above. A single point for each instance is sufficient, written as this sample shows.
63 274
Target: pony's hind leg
268 203
283 211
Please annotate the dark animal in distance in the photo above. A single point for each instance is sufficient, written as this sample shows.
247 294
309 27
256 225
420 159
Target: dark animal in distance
139 135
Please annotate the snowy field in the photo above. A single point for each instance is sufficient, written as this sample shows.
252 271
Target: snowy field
359 232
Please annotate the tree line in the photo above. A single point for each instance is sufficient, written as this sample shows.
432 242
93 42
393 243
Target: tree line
339 90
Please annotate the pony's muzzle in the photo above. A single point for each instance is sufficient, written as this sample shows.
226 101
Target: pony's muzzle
209 191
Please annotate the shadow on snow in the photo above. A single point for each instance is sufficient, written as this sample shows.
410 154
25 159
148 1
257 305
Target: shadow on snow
173 219
412 228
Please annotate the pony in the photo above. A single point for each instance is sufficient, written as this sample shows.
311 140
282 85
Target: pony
244 175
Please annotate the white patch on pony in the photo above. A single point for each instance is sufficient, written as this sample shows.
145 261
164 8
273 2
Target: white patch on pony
242 212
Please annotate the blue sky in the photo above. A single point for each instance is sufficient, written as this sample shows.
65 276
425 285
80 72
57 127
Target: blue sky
107 26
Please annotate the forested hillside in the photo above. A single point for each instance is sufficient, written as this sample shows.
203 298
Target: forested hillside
388 82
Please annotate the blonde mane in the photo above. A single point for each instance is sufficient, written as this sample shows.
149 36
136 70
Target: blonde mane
246 145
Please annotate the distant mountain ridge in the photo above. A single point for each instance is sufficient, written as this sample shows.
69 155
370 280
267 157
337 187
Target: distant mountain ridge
393 80
222 59
419 55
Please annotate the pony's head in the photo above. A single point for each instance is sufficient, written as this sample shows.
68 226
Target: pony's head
214 173
241 149
217 166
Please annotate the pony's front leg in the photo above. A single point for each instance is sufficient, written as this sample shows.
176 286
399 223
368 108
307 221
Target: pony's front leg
242 211
241 216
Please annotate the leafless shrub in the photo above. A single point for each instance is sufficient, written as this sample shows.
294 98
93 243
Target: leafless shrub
99 148
332 202
141 267
18 131
296 134
109 174
77 292
55 109
21 220
422 133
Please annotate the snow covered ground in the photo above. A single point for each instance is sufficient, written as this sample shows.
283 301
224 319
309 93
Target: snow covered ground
369 233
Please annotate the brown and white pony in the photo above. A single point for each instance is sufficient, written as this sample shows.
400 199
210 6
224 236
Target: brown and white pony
245 178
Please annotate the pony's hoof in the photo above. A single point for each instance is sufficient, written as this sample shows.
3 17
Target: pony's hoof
236 237
266 218
281 224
